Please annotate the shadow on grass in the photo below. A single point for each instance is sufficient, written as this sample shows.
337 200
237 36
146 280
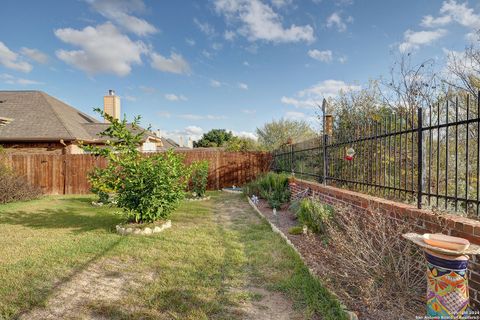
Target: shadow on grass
43 295
73 218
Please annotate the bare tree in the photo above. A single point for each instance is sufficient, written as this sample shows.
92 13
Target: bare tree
464 69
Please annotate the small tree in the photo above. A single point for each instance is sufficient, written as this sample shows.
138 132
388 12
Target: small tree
199 177
214 138
277 133
147 187
242 144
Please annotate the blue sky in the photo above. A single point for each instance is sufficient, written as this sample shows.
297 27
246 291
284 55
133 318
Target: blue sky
190 66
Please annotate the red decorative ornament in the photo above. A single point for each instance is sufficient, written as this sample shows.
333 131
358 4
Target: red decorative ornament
349 154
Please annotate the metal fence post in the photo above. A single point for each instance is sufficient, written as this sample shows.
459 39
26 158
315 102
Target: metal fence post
420 157
324 109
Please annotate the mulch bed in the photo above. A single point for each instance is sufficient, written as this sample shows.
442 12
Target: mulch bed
313 250
309 245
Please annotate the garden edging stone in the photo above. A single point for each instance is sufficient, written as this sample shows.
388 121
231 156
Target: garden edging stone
123 230
351 315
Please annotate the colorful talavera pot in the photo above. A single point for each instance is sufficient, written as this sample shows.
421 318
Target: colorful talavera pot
447 287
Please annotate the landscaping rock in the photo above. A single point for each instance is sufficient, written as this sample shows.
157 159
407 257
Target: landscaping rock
145 231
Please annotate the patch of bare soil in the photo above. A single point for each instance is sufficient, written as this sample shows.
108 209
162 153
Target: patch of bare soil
270 306
101 282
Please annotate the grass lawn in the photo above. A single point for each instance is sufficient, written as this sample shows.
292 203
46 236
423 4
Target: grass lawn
59 257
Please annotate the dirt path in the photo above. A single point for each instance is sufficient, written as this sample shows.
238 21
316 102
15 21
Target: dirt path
269 305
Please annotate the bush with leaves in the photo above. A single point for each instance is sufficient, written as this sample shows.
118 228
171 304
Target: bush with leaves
314 215
199 177
272 187
148 188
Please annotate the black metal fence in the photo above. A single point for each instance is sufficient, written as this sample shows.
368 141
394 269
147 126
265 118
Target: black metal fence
430 156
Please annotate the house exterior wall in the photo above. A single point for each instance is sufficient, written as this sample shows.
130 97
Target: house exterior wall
33 147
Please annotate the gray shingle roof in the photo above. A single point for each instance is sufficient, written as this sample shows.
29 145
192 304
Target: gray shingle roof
37 116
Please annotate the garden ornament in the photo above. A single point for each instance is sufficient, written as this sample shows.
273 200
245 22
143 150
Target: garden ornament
254 199
349 154
447 278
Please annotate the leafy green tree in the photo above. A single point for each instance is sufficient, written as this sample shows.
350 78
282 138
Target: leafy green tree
242 144
214 138
199 177
147 187
277 133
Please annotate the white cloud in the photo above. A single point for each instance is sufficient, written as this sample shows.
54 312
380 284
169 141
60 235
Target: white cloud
215 83
342 59
207 54
281 3
148 90
313 96
190 42
243 86
174 97
296 115
194 132
336 20
217 46
35 55
249 111
120 11
413 40
103 49
205 27
244 134
297 103
9 79
452 11
164 114
130 98
175 64
328 88
10 60
229 35
246 64
324 56
461 13
431 22
258 21
190 116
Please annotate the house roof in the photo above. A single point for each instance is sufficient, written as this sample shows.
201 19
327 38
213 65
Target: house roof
37 116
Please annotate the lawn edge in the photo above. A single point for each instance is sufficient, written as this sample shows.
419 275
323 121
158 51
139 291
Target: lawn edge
350 314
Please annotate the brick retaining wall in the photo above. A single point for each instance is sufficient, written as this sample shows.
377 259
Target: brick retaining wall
427 221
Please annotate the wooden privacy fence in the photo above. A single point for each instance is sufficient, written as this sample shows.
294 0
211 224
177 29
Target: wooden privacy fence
67 174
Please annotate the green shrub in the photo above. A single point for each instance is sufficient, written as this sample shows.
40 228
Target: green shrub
199 177
251 188
272 187
314 215
148 188
295 230
152 187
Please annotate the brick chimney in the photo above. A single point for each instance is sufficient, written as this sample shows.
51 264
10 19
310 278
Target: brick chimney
111 104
